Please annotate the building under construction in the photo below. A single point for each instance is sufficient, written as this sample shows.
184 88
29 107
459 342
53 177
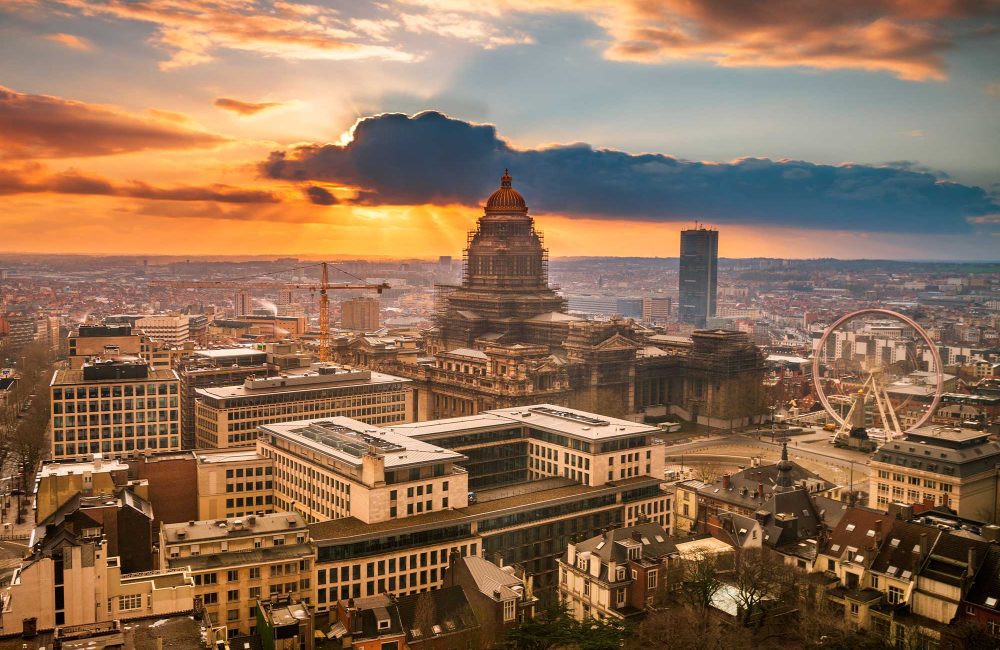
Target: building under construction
503 338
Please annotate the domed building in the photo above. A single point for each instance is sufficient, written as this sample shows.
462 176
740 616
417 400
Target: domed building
502 338
506 279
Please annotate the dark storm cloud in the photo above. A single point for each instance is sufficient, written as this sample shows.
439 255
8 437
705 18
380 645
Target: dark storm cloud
431 158
320 196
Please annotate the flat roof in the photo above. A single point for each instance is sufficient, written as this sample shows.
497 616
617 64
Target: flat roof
237 455
67 377
347 440
558 419
335 381
228 352
249 526
950 434
65 468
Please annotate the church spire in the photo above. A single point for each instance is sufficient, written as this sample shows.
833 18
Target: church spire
783 482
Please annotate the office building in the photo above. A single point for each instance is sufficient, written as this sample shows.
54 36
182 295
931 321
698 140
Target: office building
212 368
237 562
944 466
168 330
114 407
91 342
335 467
228 416
520 482
656 310
698 278
360 314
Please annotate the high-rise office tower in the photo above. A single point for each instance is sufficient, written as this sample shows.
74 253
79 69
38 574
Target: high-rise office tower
698 275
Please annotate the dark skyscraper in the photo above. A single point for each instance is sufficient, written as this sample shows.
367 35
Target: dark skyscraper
698 275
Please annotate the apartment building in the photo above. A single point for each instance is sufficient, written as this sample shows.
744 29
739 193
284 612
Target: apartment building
330 468
615 575
114 407
69 578
170 330
946 466
906 578
235 562
228 416
361 314
234 483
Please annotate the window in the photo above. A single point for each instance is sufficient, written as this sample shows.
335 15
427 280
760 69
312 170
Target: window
232 594
586 587
233 615
211 598
854 609
509 609
255 573
651 579
232 576
130 602
895 595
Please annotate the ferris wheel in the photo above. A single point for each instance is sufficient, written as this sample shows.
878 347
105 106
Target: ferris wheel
885 377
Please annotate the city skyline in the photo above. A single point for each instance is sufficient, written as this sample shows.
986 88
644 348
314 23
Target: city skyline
196 128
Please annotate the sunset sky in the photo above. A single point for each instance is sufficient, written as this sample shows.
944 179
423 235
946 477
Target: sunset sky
799 128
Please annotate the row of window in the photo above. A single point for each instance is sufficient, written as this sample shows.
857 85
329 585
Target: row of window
115 390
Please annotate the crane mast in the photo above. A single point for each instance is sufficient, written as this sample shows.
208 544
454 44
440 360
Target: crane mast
324 287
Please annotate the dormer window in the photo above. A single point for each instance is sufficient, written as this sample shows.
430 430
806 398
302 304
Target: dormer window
620 574
581 563
635 553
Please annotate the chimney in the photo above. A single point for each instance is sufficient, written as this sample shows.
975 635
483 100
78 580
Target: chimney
760 488
97 461
971 569
637 536
923 547
878 533
725 481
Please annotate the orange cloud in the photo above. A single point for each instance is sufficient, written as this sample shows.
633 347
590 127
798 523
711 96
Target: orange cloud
43 126
71 41
244 108
192 30
902 37
31 179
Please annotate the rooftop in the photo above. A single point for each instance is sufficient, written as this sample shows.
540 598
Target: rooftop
557 419
209 529
67 377
296 383
66 468
237 455
349 440
222 353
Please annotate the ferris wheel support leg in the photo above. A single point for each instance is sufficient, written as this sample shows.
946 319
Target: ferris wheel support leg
897 432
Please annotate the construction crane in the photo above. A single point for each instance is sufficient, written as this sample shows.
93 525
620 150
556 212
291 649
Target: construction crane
249 283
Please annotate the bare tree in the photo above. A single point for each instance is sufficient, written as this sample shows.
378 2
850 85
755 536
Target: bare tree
764 586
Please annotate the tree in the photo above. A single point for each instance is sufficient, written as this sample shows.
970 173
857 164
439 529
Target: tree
764 585
552 627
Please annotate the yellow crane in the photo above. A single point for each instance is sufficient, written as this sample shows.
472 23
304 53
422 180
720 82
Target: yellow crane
248 284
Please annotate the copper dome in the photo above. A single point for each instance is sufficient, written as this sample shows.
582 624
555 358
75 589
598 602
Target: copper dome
506 199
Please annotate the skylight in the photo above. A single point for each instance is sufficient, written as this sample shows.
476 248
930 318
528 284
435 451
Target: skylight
850 528
891 570
905 575
600 545
870 533
991 602
835 548
894 542
659 538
